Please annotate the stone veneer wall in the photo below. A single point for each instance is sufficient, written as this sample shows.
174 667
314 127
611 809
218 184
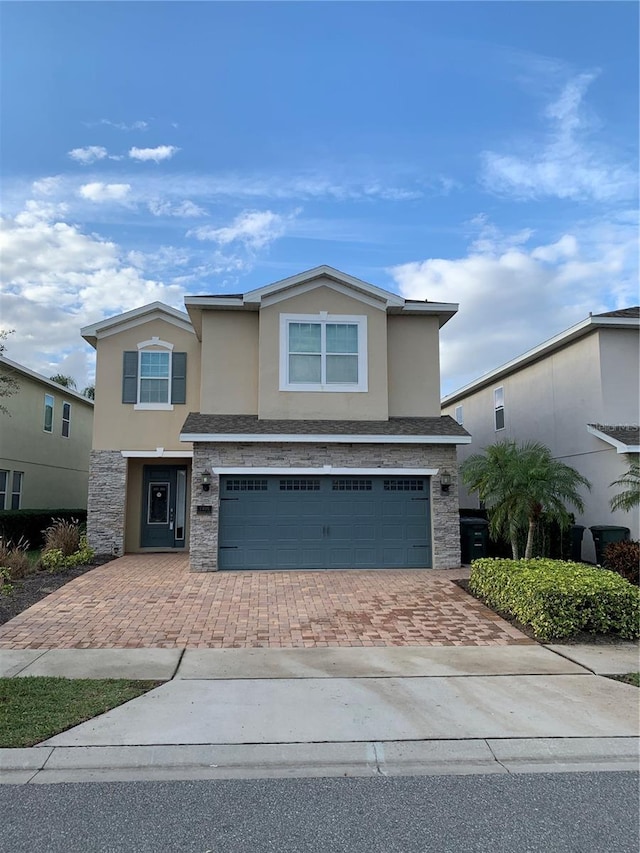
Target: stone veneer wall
107 501
444 508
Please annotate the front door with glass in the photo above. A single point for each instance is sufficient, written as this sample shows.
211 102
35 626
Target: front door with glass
164 505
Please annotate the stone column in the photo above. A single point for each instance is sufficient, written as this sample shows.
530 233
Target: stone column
107 501
444 510
203 536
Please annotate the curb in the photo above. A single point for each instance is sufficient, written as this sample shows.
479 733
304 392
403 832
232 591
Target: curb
45 765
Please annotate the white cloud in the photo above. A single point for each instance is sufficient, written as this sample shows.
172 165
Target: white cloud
121 125
47 186
185 209
512 297
162 152
88 155
253 228
56 278
99 192
566 163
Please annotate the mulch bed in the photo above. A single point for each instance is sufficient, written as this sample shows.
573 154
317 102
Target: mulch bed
33 588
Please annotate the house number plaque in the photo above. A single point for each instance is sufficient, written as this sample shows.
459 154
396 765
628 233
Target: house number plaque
204 510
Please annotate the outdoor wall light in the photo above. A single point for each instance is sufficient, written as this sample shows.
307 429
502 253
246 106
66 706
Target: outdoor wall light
445 481
206 481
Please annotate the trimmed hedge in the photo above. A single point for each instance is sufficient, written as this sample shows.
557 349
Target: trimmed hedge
558 599
31 523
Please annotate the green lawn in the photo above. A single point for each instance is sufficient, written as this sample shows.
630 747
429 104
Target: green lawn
629 678
33 709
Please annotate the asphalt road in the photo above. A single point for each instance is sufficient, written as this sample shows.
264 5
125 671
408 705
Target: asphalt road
582 812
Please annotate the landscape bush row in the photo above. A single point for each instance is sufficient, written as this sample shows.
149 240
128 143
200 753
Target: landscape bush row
65 546
558 599
30 525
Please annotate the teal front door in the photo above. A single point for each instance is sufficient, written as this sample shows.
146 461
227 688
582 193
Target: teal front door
324 522
164 506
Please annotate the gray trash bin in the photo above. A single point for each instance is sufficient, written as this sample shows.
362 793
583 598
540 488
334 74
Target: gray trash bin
605 534
474 539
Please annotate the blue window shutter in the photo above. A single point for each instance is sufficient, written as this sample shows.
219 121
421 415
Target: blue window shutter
179 378
130 377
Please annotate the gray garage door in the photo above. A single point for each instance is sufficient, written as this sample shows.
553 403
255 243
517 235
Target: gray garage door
307 522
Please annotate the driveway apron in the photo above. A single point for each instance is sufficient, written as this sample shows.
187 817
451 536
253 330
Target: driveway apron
153 601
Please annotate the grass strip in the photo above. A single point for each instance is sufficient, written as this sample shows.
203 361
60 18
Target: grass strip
35 708
629 678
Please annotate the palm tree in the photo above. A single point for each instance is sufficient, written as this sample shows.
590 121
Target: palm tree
630 497
518 483
61 379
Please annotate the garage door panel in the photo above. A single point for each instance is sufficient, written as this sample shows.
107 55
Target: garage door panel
324 522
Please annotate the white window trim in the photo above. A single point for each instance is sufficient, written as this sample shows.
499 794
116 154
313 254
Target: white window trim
496 408
53 411
323 318
154 407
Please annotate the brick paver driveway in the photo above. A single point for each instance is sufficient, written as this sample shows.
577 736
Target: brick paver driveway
153 601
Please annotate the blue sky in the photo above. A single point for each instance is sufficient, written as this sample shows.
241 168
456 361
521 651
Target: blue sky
480 153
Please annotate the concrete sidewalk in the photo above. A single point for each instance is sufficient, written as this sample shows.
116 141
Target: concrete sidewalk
252 713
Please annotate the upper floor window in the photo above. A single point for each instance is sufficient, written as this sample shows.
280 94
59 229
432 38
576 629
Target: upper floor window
459 416
48 413
66 420
154 376
323 352
16 489
498 406
4 483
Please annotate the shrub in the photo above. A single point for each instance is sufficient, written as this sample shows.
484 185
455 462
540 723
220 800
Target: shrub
5 587
55 561
13 558
62 535
30 523
623 558
558 599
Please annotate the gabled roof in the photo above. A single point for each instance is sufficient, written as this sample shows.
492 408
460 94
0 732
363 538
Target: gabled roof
625 318
130 319
253 300
438 430
622 312
624 437
14 367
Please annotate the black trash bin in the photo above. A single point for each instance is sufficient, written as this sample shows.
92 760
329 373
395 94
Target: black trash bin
474 538
605 534
576 532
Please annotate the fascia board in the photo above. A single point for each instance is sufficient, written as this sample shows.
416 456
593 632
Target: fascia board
297 438
577 331
317 272
620 446
61 389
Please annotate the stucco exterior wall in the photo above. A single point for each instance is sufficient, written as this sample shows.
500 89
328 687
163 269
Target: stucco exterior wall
119 425
413 354
229 363
552 401
370 405
444 508
55 468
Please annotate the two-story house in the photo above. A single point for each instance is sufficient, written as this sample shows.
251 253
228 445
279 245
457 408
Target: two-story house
45 442
296 426
578 393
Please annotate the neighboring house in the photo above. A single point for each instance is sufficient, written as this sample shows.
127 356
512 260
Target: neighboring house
294 426
578 394
45 442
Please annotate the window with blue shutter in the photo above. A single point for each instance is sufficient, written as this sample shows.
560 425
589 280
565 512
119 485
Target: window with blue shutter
154 379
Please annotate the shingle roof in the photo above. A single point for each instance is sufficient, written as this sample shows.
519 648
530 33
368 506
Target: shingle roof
251 425
622 312
628 434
